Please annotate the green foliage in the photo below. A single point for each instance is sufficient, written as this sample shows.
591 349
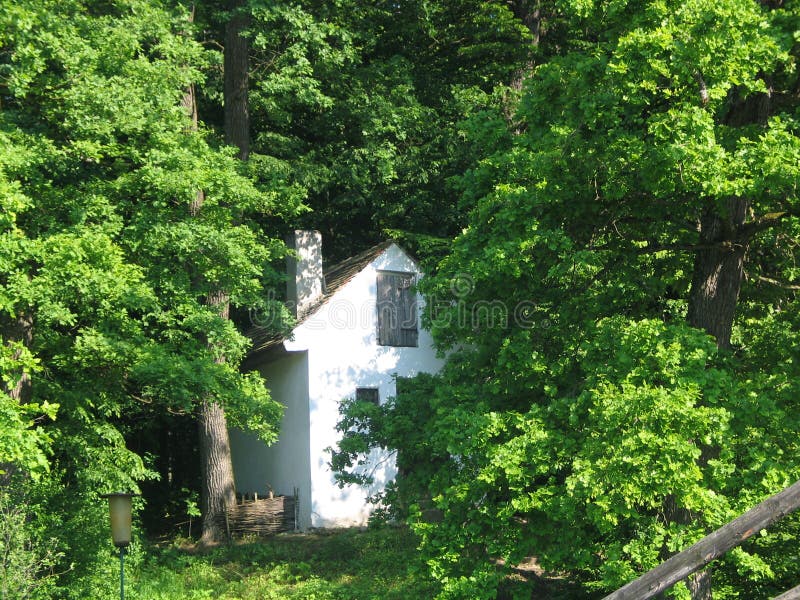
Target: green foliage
336 565
26 560
23 443
578 415
582 481
397 424
354 107
99 250
577 410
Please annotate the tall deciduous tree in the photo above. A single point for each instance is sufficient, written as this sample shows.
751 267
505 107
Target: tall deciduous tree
632 206
105 250
356 106
218 489
236 75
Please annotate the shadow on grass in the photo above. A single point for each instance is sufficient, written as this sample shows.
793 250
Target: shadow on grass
336 564
345 564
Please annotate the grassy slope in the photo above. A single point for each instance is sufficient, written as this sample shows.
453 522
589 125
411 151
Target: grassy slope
347 564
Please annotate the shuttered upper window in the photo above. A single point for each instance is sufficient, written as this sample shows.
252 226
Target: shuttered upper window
397 309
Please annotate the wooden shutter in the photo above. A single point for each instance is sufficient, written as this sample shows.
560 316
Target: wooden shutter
407 311
397 309
387 310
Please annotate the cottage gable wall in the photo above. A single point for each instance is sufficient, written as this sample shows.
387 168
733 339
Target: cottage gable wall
339 341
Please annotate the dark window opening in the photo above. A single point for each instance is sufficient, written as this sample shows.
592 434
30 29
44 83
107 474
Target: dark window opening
364 394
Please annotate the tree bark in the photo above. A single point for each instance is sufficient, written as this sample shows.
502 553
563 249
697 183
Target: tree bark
530 13
236 81
718 271
218 492
699 585
19 330
714 293
217 488
719 264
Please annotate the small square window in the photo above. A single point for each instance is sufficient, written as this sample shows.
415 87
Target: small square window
365 394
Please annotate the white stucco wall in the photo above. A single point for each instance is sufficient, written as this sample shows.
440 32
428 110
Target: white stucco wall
284 465
340 343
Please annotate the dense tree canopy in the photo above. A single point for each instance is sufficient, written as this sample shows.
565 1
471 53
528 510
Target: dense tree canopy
605 194
357 103
587 417
105 271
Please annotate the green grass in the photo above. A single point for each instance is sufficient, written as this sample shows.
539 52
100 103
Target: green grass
332 565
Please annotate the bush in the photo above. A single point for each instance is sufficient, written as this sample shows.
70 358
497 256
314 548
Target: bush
26 558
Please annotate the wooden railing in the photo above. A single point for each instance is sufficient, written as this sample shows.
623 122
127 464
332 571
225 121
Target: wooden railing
714 545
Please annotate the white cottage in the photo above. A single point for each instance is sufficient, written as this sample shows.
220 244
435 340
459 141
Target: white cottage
357 330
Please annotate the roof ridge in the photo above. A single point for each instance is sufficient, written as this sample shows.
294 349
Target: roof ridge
335 277
360 256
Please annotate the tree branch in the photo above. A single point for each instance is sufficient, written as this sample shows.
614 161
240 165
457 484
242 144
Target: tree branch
650 249
776 282
741 236
749 229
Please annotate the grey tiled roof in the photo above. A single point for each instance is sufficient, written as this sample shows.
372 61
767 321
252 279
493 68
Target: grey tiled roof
336 277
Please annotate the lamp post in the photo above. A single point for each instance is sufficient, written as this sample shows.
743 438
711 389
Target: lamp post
119 509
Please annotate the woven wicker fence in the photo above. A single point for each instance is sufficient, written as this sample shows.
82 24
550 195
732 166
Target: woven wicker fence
263 516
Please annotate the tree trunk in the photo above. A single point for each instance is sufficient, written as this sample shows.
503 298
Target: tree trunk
236 81
530 13
19 330
719 264
16 330
718 271
218 491
716 282
699 585
217 487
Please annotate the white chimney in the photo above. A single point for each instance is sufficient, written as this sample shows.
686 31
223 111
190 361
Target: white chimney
305 283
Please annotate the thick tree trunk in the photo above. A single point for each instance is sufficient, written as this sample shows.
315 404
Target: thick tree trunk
699 585
719 264
19 330
530 13
718 271
218 490
716 282
236 76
